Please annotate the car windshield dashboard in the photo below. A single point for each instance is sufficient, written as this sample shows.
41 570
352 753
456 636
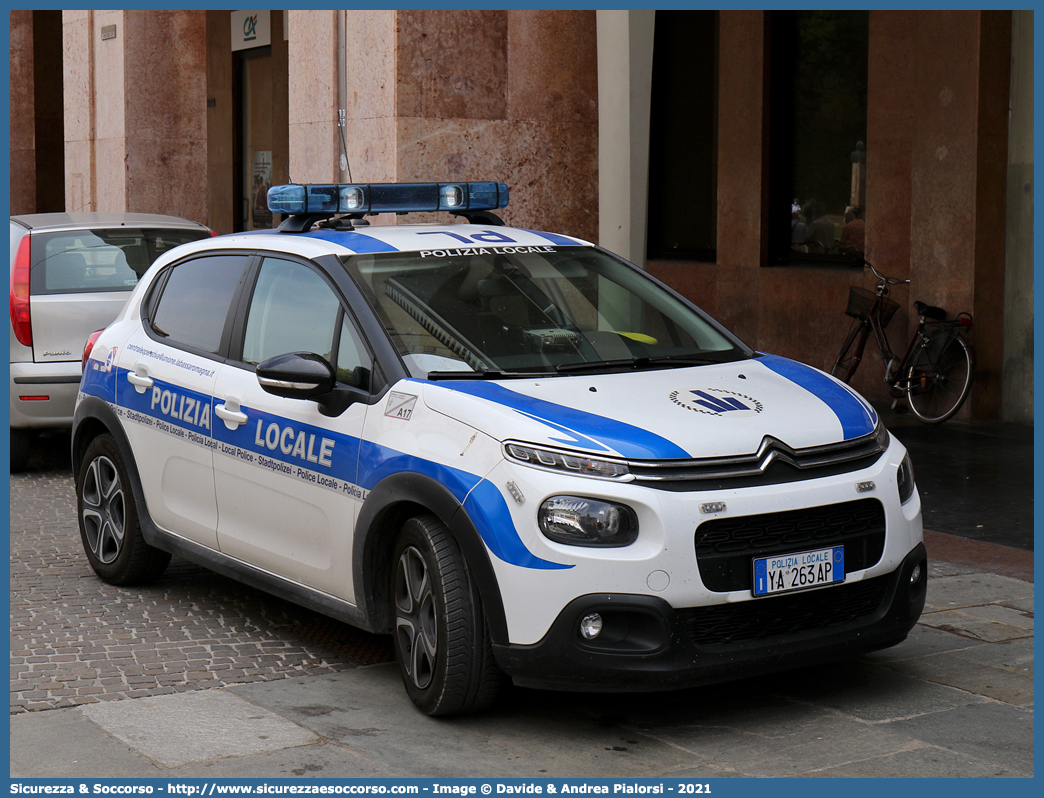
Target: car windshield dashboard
491 313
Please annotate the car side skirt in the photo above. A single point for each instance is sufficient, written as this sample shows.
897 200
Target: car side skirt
92 408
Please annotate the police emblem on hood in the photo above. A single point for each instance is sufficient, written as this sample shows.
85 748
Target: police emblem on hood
717 402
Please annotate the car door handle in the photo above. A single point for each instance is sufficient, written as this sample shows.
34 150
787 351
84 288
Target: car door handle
232 416
140 381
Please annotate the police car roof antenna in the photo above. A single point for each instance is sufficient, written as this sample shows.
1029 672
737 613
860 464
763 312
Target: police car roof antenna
342 124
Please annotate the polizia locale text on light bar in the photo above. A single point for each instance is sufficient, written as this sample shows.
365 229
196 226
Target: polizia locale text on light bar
370 198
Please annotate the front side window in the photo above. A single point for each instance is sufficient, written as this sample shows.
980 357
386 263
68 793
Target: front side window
80 261
818 116
292 310
560 310
195 301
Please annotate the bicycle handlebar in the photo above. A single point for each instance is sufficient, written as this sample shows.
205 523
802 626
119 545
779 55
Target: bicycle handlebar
882 278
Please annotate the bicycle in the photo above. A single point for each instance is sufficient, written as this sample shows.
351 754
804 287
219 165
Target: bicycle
936 373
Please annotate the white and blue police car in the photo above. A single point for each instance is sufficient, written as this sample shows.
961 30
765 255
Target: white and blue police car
516 453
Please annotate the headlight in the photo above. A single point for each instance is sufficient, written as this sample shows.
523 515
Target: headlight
577 521
905 479
564 461
882 436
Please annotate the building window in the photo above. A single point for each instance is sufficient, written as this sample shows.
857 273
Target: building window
683 137
817 134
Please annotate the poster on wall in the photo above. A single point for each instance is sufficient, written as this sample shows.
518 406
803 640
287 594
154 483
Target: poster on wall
262 217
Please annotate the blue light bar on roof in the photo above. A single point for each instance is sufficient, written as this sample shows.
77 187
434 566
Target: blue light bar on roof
386 197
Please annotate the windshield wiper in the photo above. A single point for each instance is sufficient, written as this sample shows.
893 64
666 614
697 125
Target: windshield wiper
640 363
488 374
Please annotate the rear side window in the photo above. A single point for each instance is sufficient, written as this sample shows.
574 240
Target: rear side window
194 303
81 261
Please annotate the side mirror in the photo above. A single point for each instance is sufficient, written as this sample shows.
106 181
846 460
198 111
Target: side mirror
296 375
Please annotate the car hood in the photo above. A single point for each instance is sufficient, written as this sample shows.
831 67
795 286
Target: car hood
706 411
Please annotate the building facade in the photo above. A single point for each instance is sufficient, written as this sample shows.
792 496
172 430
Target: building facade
674 138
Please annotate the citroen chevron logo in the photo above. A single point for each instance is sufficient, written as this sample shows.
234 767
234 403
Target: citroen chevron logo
723 405
717 402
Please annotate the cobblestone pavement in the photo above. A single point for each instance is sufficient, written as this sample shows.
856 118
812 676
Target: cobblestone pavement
76 640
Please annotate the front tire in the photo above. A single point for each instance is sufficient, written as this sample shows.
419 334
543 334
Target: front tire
441 640
109 528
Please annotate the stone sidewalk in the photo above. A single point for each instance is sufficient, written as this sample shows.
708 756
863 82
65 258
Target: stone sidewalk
954 700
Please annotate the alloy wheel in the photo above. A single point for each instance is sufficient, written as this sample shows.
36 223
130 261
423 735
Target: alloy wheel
104 509
415 617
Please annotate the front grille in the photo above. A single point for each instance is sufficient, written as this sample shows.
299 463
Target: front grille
773 463
777 616
726 547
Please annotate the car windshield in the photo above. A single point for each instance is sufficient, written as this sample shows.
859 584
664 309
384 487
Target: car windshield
522 310
77 261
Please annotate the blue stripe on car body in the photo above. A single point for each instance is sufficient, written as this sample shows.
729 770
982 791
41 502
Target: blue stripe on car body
187 409
583 427
554 238
486 507
352 460
856 417
483 502
97 381
357 242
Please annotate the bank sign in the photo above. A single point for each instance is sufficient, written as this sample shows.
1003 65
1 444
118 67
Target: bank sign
251 29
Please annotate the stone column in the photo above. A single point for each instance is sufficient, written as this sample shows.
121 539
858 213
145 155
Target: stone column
625 60
313 102
958 158
80 32
1018 283
22 114
742 178
135 113
370 89
461 95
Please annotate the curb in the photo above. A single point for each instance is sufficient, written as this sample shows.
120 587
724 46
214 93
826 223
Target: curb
993 557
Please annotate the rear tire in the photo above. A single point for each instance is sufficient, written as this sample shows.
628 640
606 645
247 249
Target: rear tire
109 528
441 640
939 385
21 447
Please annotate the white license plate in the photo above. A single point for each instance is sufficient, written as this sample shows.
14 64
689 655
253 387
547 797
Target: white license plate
785 572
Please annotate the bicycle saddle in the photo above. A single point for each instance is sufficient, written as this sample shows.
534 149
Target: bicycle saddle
938 314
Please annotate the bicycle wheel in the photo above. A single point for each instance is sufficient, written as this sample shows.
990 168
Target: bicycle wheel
851 352
940 378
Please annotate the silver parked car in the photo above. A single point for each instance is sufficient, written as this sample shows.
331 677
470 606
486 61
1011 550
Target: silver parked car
70 275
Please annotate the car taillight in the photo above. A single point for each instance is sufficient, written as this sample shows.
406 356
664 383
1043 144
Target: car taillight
21 322
87 348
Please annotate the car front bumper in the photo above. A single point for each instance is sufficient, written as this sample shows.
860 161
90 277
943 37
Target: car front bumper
648 645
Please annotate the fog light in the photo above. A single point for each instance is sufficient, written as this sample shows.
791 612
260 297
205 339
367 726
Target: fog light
915 574
591 626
